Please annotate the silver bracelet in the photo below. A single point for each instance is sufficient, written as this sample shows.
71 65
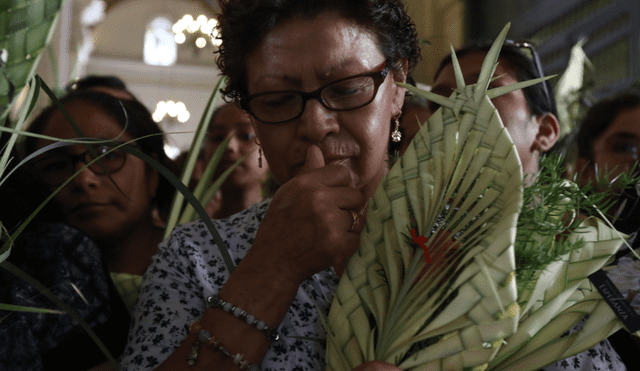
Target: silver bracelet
206 337
215 301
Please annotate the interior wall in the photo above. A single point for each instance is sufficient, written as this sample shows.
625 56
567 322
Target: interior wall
440 23
492 15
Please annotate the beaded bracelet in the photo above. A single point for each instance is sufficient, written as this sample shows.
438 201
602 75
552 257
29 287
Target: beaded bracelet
210 340
215 301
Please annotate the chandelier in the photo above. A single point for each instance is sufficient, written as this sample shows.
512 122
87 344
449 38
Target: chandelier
196 31
170 110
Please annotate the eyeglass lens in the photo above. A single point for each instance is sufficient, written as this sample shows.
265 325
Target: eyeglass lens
341 95
59 165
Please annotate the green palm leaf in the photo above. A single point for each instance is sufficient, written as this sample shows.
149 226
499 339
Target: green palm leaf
26 27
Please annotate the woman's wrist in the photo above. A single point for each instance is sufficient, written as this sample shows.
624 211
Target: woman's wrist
269 331
212 343
267 273
255 292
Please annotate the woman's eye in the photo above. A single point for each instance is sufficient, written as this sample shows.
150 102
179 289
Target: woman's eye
344 91
106 152
246 136
101 150
347 89
54 165
218 138
625 148
276 100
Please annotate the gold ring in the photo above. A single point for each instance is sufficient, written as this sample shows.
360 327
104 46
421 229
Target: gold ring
354 224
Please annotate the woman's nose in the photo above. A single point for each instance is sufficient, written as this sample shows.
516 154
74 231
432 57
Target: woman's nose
86 177
234 144
317 121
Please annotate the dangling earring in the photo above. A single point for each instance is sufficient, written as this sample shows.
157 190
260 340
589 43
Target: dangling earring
259 153
396 135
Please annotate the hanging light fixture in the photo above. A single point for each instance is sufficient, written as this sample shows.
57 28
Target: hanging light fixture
199 31
171 110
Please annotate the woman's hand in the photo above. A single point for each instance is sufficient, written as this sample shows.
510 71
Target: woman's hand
306 229
308 225
376 366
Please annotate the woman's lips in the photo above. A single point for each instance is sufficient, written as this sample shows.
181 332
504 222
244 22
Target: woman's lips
87 207
228 162
338 161
344 161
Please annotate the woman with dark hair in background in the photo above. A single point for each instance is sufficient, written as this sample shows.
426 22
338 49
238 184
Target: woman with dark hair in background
108 84
112 201
99 225
244 186
608 141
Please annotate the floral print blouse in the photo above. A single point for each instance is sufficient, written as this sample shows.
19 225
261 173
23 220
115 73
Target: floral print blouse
188 268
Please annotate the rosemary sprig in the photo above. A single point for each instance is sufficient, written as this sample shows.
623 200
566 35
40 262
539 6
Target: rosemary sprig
553 208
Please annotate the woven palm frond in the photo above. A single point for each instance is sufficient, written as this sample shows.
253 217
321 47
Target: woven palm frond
562 296
26 27
458 188
433 285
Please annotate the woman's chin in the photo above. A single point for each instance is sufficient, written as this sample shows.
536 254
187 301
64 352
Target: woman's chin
97 228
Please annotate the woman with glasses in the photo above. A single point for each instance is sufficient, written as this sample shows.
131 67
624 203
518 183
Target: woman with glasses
112 200
93 241
530 116
318 79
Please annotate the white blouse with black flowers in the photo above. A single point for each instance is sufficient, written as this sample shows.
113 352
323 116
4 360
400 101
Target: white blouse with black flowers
188 268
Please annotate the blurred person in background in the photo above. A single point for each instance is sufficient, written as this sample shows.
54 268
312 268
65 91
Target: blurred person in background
108 84
113 201
245 186
90 245
608 141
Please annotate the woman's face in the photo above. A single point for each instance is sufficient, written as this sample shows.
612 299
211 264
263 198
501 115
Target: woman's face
512 107
616 149
233 121
305 54
102 206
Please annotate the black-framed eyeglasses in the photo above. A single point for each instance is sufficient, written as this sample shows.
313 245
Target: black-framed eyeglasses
535 57
56 166
344 94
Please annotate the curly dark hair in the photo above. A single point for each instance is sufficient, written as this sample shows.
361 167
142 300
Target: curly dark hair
243 25
598 118
139 125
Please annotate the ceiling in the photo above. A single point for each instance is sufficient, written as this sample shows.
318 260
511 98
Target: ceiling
208 3
440 22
